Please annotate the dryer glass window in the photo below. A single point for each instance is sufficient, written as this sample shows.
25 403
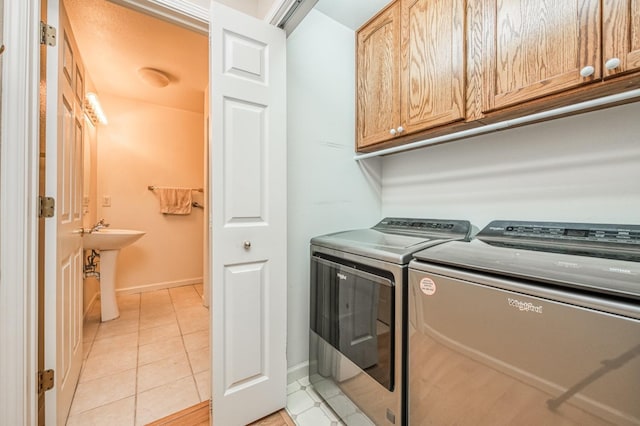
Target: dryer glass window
352 310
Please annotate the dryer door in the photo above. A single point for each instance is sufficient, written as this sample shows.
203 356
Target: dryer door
352 310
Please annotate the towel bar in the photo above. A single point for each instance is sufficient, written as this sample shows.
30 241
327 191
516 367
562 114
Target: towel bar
153 188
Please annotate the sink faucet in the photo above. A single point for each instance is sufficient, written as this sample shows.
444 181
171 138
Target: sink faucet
98 225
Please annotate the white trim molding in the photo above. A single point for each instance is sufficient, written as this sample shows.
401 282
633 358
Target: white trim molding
94 299
507 124
287 14
18 213
180 12
297 372
159 286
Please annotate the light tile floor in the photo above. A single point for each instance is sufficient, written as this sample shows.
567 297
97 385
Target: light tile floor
305 407
150 362
154 361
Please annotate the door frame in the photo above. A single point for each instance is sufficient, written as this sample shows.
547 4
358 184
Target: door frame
19 174
19 152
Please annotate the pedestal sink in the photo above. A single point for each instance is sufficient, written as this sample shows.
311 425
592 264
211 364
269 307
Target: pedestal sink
109 242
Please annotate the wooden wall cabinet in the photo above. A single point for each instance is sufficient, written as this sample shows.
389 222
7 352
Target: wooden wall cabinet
534 55
378 78
427 68
533 48
421 83
432 82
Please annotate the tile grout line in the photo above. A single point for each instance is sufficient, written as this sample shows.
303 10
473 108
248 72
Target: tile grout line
84 363
135 390
82 371
93 340
193 375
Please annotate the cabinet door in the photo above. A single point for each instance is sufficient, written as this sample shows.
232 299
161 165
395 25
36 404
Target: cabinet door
621 36
377 97
433 63
534 48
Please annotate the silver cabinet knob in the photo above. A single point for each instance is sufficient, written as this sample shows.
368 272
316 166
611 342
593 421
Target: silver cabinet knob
393 132
400 129
247 245
612 63
587 71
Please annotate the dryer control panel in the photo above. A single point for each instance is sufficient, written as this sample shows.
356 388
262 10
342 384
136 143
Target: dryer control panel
587 239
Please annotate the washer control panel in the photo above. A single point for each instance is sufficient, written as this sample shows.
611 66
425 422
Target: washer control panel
591 239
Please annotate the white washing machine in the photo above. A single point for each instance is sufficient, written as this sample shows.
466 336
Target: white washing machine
530 323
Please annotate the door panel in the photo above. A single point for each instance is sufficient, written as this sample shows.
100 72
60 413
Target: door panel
621 35
77 163
244 153
433 63
248 181
378 78
66 153
536 48
63 250
246 289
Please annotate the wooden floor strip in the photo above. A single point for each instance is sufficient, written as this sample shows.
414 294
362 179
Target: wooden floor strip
198 415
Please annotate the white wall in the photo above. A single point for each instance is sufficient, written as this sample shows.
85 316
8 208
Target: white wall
584 168
327 190
146 144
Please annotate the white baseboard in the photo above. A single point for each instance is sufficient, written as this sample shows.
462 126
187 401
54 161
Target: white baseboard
158 286
297 372
93 300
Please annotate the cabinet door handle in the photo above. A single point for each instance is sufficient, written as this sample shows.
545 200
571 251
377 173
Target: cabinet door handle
247 245
612 63
400 129
393 132
587 71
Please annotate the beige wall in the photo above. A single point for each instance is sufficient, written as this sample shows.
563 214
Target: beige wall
146 144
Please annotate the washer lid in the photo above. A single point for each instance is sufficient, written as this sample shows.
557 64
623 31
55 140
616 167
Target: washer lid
395 239
610 276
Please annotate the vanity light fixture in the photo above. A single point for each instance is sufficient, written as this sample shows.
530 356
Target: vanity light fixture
93 109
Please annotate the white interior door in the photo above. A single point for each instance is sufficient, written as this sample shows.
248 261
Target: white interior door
248 181
63 249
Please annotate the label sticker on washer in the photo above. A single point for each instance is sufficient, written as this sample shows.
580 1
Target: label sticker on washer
427 286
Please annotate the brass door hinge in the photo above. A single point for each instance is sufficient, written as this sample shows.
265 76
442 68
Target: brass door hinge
45 380
47 207
48 34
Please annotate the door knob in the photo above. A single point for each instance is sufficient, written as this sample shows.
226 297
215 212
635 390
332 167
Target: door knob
587 71
612 63
393 132
400 129
247 245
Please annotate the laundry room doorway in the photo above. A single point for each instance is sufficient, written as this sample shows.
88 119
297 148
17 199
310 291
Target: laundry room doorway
245 179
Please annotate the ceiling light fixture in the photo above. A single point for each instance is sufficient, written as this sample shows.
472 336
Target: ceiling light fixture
93 109
154 77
